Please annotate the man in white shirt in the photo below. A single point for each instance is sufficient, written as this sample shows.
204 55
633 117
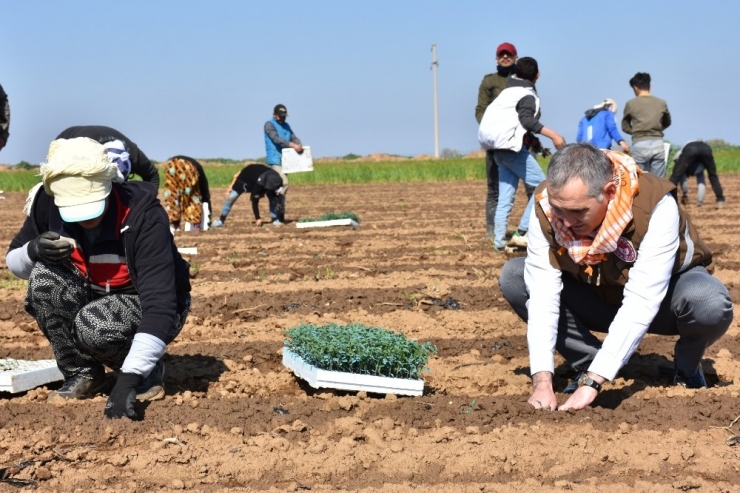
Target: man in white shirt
603 257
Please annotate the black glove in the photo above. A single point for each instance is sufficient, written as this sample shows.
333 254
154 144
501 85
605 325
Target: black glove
48 248
123 396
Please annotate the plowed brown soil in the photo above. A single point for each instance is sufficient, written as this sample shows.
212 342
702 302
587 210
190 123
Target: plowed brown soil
235 419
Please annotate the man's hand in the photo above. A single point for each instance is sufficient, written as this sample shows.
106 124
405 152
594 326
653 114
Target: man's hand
543 396
49 248
298 147
258 222
580 399
584 395
625 146
228 192
123 396
558 141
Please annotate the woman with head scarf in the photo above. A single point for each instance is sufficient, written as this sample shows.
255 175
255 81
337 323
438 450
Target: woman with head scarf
106 283
598 128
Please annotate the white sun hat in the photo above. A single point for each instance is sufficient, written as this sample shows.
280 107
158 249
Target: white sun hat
79 175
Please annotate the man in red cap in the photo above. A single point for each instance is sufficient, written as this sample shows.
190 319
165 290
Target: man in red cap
490 87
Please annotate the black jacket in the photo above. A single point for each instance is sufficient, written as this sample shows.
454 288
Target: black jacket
140 164
157 270
258 180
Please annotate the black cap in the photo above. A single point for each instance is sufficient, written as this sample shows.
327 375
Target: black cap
280 110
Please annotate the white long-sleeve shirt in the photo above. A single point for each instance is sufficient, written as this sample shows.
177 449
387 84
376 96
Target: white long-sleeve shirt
643 293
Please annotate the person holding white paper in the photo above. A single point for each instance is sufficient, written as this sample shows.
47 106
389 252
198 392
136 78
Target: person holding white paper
279 136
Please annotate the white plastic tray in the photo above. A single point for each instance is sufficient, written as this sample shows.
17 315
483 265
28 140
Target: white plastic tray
317 378
188 250
333 222
17 375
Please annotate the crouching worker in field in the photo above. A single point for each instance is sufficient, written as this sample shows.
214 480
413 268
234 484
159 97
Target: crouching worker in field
187 197
610 251
258 180
105 281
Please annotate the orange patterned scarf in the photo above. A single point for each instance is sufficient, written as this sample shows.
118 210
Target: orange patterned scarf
618 216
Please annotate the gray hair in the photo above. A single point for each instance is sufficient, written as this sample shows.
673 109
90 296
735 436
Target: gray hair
582 161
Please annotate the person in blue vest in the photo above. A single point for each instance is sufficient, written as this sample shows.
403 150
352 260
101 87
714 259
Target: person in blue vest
279 136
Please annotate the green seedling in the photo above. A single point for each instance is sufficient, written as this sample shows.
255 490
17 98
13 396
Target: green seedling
330 216
359 349
469 408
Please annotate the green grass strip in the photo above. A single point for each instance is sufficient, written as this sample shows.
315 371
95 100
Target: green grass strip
359 349
221 172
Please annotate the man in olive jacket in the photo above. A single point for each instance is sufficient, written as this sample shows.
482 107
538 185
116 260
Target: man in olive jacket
645 118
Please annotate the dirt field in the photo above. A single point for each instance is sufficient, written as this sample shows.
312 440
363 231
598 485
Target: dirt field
235 419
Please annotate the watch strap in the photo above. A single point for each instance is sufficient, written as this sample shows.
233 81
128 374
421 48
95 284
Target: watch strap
587 381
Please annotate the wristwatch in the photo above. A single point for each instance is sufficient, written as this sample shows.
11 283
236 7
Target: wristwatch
584 379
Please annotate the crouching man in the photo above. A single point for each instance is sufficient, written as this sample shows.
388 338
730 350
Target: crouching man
610 251
105 281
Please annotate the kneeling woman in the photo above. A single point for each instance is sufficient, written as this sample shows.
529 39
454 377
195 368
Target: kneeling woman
105 281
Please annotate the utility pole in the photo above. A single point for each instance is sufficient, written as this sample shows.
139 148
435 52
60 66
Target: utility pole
435 63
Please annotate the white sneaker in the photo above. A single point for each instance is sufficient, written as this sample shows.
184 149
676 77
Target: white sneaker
518 240
217 223
276 222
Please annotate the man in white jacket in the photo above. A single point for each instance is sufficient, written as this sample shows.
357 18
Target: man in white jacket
503 128
611 251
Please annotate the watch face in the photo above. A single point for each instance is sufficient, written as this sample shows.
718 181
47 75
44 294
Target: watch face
589 382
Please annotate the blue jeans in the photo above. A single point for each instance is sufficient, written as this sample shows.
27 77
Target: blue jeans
277 206
513 166
650 156
228 204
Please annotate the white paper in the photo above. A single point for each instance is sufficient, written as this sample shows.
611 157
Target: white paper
296 163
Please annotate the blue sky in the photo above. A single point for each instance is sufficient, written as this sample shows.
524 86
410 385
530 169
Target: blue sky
201 78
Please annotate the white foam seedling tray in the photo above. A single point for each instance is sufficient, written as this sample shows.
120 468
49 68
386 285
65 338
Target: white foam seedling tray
324 224
317 378
188 250
17 375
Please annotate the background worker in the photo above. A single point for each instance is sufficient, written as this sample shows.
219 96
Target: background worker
504 128
690 158
645 118
258 180
4 118
139 164
598 128
279 136
106 283
489 89
186 194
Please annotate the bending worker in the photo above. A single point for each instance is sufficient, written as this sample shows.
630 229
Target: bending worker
106 283
611 251
690 158
258 180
